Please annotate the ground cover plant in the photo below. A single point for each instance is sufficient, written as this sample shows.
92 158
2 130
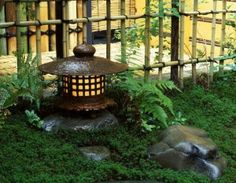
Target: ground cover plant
29 155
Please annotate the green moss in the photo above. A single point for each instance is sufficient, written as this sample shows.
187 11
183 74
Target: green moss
28 155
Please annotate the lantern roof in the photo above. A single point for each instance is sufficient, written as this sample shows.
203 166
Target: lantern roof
83 63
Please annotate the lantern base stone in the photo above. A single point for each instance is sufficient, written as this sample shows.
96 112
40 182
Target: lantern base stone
103 120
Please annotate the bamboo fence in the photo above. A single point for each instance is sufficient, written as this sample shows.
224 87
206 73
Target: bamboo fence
82 20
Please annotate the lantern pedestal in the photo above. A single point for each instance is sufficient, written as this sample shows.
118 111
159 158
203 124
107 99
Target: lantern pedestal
103 120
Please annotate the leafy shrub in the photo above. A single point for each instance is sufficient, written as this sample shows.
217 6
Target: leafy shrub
147 100
25 85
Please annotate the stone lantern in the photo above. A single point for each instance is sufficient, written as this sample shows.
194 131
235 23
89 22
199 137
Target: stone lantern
83 79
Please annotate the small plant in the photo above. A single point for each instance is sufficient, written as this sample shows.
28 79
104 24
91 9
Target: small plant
26 85
34 119
179 119
147 100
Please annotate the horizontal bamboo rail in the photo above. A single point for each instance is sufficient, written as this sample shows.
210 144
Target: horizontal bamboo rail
186 62
104 18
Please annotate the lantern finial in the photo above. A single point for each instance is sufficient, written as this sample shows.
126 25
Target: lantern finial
84 50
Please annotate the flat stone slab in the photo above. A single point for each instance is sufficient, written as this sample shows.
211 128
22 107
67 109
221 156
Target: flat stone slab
103 120
133 181
183 148
96 153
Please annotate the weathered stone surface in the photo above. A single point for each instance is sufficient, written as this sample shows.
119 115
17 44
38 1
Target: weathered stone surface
96 153
103 120
134 181
183 148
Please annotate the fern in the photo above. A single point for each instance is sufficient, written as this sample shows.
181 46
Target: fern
148 99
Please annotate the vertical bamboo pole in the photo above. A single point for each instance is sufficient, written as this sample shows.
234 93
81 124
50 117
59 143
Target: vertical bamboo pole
161 36
38 31
79 10
108 41
84 24
213 32
181 46
19 46
147 40
3 45
65 29
123 37
194 41
51 16
222 34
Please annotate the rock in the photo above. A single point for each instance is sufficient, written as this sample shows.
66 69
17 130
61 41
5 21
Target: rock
103 120
134 181
183 148
96 153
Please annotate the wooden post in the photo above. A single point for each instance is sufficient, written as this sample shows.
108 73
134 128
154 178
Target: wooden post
123 37
194 42
147 40
59 30
3 45
51 16
222 50
181 45
161 36
174 42
108 41
213 36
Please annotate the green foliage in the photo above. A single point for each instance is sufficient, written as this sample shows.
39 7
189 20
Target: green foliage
147 99
28 155
179 119
34 119
25 85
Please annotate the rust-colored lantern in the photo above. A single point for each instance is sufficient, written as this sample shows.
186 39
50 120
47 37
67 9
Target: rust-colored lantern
83 79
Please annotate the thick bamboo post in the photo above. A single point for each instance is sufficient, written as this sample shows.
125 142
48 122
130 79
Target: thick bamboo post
79 11
147 40
38 31
19 46
222 51
59 30
161 36
123 37
3 45
194 41
213 36
51 28
85 32
174 42
65 37
181 45
108 41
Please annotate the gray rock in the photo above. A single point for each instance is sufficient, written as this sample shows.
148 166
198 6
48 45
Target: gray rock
134 181
103 120
96 153
183 148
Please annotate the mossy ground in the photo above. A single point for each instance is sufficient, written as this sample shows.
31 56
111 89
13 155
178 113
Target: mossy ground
29 155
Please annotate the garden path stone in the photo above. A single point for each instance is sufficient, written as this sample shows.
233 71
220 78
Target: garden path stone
96 153
183 148
133 181
103 120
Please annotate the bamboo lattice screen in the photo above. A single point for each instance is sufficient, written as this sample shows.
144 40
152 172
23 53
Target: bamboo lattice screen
60 23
